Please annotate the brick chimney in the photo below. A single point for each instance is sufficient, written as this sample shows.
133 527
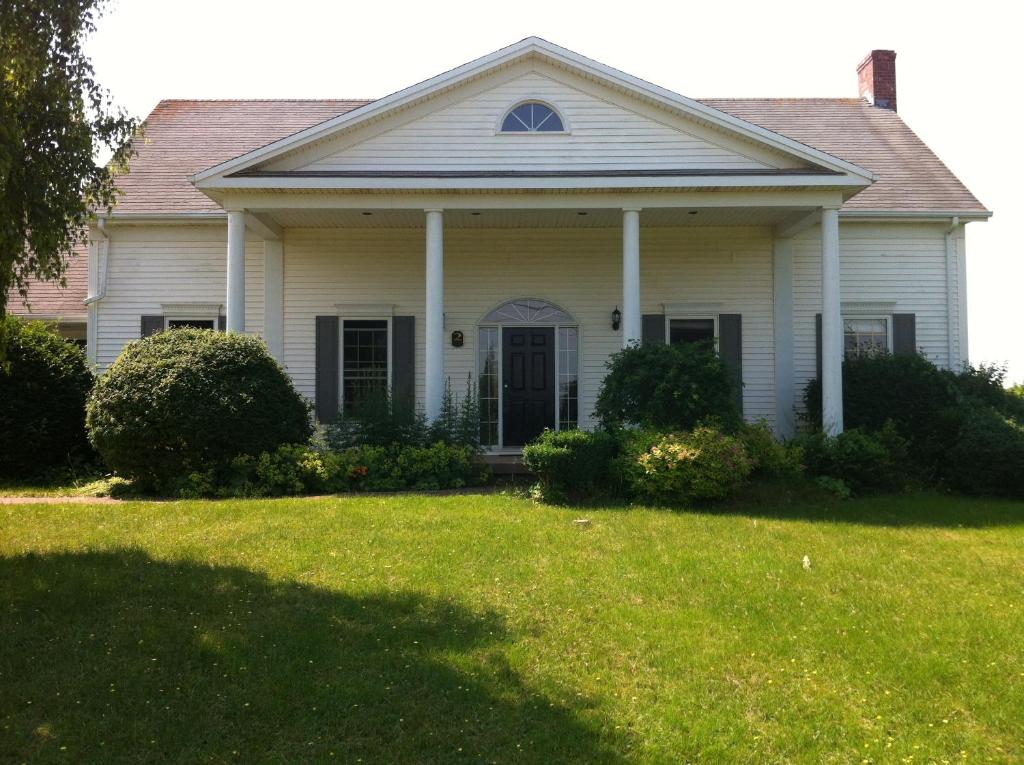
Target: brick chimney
877 78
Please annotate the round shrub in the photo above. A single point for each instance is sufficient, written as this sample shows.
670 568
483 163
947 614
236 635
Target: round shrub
988 456
667 387
768 456
44 382
571 464
191 400
673 469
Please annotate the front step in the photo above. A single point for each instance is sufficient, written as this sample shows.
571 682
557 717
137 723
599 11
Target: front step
506 465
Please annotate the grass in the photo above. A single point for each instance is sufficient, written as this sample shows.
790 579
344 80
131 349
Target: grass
485 628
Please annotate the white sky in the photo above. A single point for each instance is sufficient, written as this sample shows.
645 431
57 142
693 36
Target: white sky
958 72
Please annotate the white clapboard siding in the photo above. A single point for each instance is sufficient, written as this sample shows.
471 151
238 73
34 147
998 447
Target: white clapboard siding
579 269
717 270
903 264
148 266
603 133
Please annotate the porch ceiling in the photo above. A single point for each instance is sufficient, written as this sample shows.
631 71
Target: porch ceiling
566 218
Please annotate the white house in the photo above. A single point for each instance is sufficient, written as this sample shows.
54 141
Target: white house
522 217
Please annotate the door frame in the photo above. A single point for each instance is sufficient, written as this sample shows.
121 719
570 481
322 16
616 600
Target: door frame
500 352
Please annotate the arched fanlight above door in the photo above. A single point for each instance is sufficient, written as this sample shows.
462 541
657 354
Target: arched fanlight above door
528 311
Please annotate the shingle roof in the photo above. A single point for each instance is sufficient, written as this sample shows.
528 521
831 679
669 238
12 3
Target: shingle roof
49 300
910 177
184 137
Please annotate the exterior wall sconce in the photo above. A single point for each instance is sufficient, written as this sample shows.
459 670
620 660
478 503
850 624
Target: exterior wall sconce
616 318
457 339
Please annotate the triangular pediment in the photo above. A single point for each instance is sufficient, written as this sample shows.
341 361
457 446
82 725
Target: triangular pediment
613 125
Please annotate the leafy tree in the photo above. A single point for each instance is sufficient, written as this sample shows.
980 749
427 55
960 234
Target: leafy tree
54 118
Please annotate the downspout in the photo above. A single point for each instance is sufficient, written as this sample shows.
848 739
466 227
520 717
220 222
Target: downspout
97 288
951 271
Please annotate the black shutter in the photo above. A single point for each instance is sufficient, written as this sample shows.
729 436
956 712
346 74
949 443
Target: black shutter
403 361
222 323
151 325
730 350
328 368
817 343
904 333
652 329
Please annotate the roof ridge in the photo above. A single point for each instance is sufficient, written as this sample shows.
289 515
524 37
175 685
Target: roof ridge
259 100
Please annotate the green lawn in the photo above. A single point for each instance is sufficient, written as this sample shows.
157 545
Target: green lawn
485 628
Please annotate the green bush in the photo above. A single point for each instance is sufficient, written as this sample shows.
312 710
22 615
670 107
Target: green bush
908 391
863 461
667 387
191 400
984 386
988 455
768 456
294 470
44 383
571 464
673 469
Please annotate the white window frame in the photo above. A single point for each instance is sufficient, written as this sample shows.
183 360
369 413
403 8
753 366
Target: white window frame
190 312
519 102
670 317
500 326
853 316
341 351
179 317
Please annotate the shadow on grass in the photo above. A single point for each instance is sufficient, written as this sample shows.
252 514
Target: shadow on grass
117 657
803 502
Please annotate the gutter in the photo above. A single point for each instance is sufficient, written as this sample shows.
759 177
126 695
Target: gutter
951 271
102 248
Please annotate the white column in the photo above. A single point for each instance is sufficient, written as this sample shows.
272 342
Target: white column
273 296
630 276
785 395
435 314
236 271
831 326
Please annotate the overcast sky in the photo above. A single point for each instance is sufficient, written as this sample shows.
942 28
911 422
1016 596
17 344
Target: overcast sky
958 73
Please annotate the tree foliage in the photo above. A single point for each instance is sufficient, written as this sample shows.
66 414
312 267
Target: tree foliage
54 119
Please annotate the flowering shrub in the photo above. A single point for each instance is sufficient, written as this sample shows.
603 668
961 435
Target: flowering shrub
702 465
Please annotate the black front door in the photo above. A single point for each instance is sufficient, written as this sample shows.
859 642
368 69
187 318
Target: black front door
529 371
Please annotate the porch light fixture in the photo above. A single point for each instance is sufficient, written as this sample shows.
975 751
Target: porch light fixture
616 318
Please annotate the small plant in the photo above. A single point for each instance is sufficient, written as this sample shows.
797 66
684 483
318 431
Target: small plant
571 464
381 421
667 387
675 469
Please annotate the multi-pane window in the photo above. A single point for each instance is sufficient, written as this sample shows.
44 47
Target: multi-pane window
532 117
193 323
488 350
690 330
865 336
364 362
568 377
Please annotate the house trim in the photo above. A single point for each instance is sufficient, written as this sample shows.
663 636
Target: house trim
533 47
